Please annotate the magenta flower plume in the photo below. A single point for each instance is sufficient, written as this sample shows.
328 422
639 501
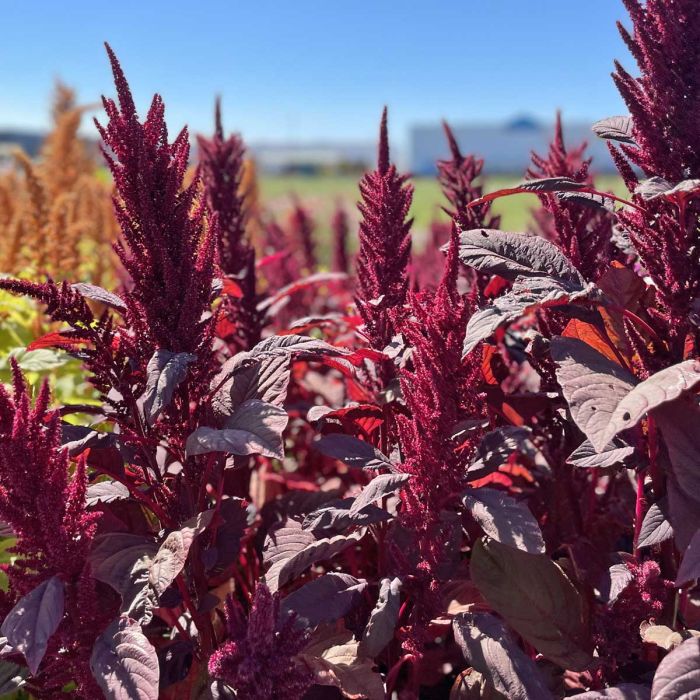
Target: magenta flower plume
582 232
665 100
44 505
221 162
258 658
165 247
301 226
341 229
459 181
385 244
664 103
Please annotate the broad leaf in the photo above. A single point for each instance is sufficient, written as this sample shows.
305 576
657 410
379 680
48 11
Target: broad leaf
588 199
335 517
665 637
124 663
165 370
380 627
678 674
255 428
335 660
488 647
689 569
616 579
536 598
655 526
32 621
352 451
325 599
105 492
592 385
662 387
496 447
527 294
624 691
265 378
679 423
618 128
653 187
289 550
380 486
506 520
123 561
586 456
514 255
172 554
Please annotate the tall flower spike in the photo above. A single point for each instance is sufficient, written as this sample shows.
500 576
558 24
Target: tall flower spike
665 106
341 229
385 244
458 178
222 164
665 100
165 247
301 226
582 232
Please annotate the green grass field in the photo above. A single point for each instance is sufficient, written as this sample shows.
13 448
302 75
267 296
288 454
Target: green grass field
321 194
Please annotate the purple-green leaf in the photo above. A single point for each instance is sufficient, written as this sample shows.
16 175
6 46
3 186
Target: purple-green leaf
380 486
380 627
255 427
592 385
325 599
34 618
678 674
489 648
353 451
164 372
506 520
689 569
124 663
619 128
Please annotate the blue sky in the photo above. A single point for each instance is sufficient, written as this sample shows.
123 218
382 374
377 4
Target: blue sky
308 70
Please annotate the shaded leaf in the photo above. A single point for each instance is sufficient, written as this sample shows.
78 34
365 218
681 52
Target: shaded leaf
616 579
12 677
380 486
506 520
690 564
619 128
497 446
655 526
526 295
336 517
679 423
488 647
289 550
535 597
624 691
514 255
592 385
172 554
265 378
662 387
678 674
586 456
353 451
380 627
255 428
588 199
99 294
165 370
325 599
123 561
33 619
124 663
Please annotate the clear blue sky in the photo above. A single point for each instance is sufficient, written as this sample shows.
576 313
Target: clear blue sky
318 69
